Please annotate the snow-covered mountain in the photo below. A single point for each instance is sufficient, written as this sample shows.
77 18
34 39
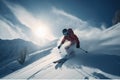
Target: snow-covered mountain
109 41
10 50
102 61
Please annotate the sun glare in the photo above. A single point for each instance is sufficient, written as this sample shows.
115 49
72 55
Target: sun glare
41 32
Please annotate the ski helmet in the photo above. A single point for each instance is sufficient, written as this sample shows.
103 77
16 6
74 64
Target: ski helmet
65 32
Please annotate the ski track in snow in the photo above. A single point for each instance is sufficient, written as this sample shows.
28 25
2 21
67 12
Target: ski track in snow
44 68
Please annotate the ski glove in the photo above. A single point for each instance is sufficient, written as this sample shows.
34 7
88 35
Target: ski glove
59 46
77 46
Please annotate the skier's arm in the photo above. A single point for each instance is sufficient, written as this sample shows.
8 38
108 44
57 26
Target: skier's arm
62 42
77 42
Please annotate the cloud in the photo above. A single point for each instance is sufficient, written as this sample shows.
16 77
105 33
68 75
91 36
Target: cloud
11 31
6 32
68 19
22 14
32 22
62 12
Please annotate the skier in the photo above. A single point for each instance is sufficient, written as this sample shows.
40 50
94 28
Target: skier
74 41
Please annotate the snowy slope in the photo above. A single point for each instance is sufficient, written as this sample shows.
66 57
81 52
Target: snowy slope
102 61
44 68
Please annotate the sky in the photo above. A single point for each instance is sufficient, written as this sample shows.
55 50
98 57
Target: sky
96 12
43 20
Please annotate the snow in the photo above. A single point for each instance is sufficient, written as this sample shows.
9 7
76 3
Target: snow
102 61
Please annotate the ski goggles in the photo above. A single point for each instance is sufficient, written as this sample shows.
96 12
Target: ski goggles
65 33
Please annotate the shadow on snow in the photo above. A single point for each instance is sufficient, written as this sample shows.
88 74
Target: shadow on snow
107 63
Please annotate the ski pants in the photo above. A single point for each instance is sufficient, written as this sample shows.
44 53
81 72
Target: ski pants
70 50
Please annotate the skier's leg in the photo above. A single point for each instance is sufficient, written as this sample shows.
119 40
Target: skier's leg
70 51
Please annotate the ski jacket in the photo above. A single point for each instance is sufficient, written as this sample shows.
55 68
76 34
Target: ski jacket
71 37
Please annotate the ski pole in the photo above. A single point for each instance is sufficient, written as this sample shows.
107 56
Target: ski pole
84 50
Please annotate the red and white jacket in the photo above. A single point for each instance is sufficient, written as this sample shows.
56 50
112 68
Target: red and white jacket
71 37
